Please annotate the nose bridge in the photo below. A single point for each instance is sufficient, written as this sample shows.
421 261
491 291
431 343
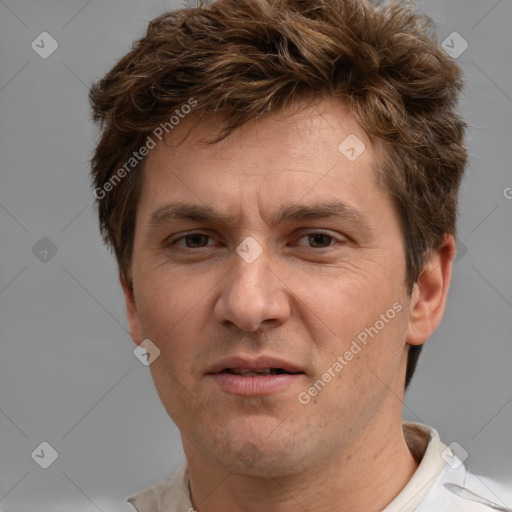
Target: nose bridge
249 281
251 293
253 274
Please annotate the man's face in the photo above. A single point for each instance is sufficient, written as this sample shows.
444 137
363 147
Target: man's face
297 295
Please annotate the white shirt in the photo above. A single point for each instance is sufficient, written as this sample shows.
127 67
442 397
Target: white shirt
441 483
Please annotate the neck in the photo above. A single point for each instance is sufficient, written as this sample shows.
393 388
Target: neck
365 477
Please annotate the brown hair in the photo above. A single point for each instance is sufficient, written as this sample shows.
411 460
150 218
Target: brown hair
246 58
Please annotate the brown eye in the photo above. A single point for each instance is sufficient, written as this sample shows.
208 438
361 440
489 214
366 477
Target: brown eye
191 241
196 240
319 240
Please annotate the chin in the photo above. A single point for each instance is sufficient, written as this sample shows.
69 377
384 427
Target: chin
254 454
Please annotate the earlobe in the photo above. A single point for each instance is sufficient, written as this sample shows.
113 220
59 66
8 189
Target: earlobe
131 310
428 298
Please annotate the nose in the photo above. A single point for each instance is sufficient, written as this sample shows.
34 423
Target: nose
253 297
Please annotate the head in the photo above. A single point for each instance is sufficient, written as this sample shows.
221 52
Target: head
238 109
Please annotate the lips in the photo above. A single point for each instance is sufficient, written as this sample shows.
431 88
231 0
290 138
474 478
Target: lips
250 377
249 367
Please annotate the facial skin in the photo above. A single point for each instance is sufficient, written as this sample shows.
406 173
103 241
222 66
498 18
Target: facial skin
303 300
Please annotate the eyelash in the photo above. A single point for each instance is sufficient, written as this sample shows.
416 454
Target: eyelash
173 243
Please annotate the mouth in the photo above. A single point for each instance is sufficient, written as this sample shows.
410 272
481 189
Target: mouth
257 373
254 377
254 367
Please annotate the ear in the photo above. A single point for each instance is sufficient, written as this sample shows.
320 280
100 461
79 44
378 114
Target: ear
428 298
131 310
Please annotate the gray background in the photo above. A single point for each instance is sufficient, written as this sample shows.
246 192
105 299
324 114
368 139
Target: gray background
68 375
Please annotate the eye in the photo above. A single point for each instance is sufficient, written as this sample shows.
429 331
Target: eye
191 241
318 240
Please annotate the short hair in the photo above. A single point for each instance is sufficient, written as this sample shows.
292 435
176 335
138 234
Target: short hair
248 58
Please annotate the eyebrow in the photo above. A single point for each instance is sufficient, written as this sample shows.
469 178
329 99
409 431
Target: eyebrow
295 212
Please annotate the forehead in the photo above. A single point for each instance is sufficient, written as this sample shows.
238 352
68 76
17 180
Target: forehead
310 128
309 153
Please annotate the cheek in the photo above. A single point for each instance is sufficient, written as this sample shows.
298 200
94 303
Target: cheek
346 297
357 313
171 310
365 355
170 307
